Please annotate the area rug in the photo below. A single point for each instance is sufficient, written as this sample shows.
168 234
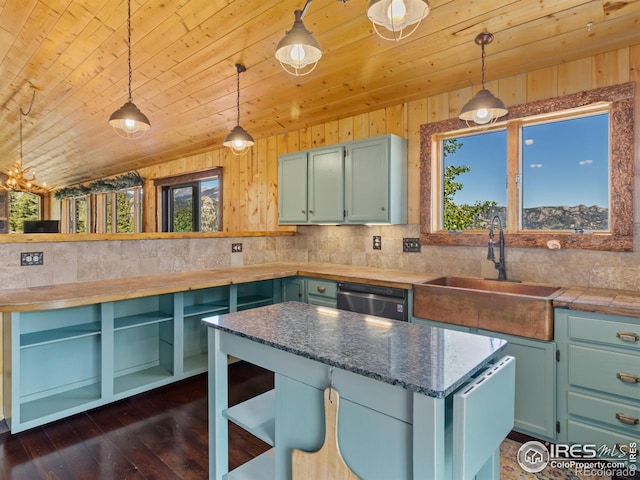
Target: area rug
510 470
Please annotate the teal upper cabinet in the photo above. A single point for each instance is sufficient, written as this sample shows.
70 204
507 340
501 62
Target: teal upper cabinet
376 180
364 181
326 185
292 188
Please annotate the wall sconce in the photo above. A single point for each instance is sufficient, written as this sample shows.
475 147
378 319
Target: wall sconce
238 140
397 19
299 52
483 108
128 121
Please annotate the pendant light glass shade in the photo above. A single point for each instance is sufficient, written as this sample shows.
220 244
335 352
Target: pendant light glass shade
238 140
298 52
397 19
128 121
484 107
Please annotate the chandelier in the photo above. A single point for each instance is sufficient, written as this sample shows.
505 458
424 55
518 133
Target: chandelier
21 179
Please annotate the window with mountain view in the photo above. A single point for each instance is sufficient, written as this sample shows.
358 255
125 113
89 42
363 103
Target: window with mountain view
192 202
560 177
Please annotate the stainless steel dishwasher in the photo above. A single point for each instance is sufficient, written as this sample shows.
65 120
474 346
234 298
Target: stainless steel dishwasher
385 302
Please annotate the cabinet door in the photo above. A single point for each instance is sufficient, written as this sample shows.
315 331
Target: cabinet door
535 412
292 188
326 185
293 290
367 181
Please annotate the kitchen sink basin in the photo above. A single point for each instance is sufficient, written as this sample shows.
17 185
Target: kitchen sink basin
516 308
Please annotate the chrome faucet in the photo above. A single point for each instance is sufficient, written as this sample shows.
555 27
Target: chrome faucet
500 264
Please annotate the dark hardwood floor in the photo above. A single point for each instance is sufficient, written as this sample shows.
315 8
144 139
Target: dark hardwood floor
159 435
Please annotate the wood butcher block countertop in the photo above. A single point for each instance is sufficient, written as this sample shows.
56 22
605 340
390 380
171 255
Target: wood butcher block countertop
613 302
84 293
600 300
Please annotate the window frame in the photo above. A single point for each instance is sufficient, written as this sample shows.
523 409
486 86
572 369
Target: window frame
621 169
193 180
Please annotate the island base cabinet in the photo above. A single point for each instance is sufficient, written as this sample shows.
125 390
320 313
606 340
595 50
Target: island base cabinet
379 444
384 431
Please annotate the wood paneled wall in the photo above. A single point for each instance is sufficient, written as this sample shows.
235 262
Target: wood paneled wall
250 181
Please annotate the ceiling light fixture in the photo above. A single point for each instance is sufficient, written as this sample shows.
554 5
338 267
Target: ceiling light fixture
238 140
397 19
128 121
483 108
299 52
19 179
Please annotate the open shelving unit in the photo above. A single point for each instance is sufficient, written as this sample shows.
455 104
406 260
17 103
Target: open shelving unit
198 304
51 382
143 340
256 416
64 361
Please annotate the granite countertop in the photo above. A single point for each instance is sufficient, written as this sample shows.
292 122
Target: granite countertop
428 360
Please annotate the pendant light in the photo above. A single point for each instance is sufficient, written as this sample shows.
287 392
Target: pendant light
128 121
299 52
483 108
238 140
397 19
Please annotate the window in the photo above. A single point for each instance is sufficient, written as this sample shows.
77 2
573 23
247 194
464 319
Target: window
122 210
562 166
22 206
192 202
77 213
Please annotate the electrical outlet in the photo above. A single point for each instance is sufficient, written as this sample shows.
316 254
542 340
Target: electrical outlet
377 242
236 248
31 258
410 244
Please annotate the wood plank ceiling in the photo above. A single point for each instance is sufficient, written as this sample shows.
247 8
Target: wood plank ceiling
74 54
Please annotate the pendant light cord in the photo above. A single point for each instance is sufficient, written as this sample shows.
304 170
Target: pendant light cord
483 55
24 114
238 94
129 46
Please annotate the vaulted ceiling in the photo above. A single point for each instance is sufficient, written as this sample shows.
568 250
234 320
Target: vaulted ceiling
73 53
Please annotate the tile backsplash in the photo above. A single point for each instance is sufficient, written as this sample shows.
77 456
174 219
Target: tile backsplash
350 245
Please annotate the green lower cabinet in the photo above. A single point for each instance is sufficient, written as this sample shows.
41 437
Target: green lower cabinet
294 290
598 381
535 409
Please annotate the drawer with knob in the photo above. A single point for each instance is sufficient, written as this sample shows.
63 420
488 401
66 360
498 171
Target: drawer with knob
615 334
607 371
617 415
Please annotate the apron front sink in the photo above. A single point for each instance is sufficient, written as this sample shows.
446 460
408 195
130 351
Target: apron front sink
524 309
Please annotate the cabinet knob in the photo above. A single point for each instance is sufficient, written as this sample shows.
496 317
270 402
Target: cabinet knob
304 211
311 212
322 289
628 377
628 419
628 336
382 208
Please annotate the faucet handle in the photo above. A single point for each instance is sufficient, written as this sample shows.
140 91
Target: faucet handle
490 254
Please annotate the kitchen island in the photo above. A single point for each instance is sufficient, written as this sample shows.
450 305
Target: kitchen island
416 402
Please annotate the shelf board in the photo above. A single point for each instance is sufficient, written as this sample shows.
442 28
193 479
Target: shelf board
253 301
256 416
140 379
59 334
141 319
59 402
261 467
215 307
195 362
